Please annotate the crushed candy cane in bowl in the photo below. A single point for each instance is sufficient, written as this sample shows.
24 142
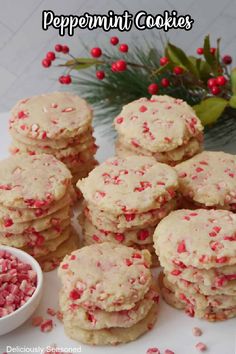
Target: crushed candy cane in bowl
21 284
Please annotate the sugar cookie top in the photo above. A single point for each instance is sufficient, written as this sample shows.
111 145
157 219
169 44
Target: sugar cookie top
54 115
159 124
200 238
132 184
32 181
106 275
209 178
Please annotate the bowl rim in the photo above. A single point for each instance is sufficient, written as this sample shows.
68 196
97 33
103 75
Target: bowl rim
35 265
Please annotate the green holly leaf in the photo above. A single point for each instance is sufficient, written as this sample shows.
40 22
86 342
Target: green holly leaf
178 57
205 70
233 80
232 101
210 59
81 63
210 109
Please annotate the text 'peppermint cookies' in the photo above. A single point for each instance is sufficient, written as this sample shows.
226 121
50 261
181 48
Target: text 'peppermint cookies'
58 124
35 207
163 127
197 250
125 198
107 294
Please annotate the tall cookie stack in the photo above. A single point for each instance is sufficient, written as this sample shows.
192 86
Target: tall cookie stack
107 296
125 199
35 207
197 250
208 180
58 124
163 127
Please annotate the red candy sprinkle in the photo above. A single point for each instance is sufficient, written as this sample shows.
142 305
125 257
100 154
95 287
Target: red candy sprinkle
181 247
128 262
176 272
143 235
75 294
168 351
129 217
8 222
137 255
119 237
142 109
119 120
222 260
65 266
153 350
22 115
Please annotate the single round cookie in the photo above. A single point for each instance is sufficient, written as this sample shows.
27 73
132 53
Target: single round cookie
55 219
54 115
108 276
172 157
19 215
114 335
131 185
128 237
209 178
110 222
33 238
32 181
200 238
98 319
159 124
58 144
20 148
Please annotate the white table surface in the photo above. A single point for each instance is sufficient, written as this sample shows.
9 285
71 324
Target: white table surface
173 329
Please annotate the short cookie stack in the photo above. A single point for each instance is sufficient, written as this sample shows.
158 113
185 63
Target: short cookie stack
163 127
125 199
107 296
58 124
197 250
208 180
35 207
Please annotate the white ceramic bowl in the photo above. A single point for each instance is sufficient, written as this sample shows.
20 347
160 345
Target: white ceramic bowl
16 318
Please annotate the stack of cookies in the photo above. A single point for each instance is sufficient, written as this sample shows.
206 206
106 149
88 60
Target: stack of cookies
35 207
107 295
125 198
58 124
163 127
208 180
197 250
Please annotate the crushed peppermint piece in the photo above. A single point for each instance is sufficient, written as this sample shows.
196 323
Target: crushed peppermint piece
153 350
201 347
197 332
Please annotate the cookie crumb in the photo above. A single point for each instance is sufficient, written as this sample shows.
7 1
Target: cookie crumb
197 332
201 347
51 311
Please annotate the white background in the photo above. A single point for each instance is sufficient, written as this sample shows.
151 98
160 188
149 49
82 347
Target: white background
23 44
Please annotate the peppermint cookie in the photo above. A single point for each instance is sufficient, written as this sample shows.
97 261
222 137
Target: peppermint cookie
54 123
197 251
208 180
107 287
126 198
158 126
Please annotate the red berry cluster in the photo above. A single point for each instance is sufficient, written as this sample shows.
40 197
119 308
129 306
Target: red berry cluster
215 83
50 56
227 59
118 66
